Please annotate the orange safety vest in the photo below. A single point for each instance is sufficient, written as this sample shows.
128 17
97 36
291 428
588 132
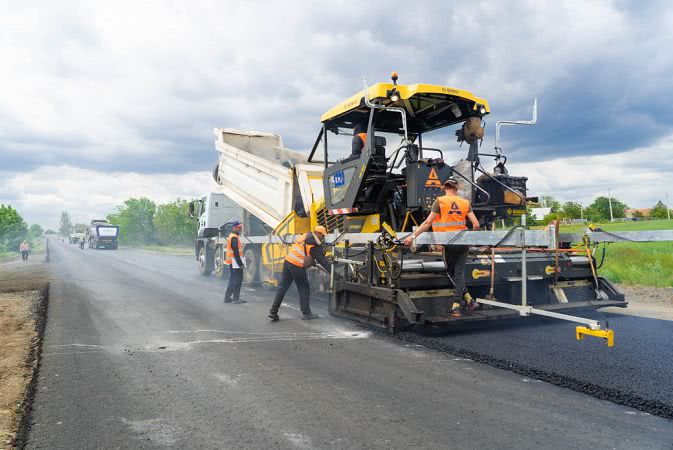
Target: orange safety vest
298 252
230 250
453 211
363 136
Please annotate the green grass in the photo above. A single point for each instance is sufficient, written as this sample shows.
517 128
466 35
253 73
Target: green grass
647 264
8 256
643 225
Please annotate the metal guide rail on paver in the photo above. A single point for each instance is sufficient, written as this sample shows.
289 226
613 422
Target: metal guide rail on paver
504 238
519 238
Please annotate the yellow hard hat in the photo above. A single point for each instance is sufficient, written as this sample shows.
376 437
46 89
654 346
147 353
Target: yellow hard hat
320 229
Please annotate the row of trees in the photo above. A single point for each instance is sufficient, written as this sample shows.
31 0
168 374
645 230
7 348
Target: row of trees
14 229
142 221
597 211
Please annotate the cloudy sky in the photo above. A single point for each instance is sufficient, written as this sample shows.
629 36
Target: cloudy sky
101 101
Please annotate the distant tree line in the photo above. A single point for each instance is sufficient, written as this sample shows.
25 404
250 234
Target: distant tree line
597 211
14 229
142 221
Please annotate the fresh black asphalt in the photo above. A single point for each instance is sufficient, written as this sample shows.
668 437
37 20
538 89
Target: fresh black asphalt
139 352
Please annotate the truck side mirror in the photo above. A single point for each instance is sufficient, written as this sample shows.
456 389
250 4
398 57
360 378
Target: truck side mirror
191 210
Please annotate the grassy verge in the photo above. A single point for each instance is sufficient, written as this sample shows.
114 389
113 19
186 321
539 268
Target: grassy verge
8 256
648 264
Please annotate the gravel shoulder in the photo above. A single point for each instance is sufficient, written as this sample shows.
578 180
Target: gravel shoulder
647 301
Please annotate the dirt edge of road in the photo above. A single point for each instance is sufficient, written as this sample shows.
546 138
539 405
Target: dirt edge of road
34 359
23 284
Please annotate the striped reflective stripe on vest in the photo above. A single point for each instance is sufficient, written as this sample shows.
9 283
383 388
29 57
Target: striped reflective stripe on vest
230 251
448 224
452 213
297 253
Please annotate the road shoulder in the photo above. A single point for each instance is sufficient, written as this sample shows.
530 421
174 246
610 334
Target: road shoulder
23 301
646 301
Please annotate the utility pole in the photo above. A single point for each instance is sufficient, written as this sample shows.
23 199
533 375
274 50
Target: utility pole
668 208
581 212
612 219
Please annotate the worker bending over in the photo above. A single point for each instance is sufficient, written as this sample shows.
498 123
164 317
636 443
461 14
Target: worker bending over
236 264
450 213
302 255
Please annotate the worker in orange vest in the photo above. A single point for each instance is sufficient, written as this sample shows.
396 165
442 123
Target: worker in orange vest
234 259
303 253
359 139
450 212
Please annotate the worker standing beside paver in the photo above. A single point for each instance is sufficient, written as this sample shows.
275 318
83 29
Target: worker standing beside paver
236 265
450 213
302 254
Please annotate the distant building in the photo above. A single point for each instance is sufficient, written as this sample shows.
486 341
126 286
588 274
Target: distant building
539 213
638 212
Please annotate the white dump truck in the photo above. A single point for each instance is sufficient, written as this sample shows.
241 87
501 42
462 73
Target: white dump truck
272 190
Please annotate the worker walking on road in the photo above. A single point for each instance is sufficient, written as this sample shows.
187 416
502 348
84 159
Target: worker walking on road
302 255
24 248
450 213
236 264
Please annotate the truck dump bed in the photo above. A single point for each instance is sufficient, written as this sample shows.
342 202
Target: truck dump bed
270 181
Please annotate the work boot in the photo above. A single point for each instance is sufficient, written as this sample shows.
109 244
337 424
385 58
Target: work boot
236 302
472 305
309 316
455 310
274 317
227 300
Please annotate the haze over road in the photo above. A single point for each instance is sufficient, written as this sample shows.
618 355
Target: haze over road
139 351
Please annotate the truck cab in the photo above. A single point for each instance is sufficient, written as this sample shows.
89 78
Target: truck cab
212 211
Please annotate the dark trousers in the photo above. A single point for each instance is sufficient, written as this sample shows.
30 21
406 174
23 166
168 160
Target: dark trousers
298 275
24 255
455 257
234 286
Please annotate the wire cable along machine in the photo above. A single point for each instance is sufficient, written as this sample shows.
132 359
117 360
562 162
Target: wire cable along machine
512 273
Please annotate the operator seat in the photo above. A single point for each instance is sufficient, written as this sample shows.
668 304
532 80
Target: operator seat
379 160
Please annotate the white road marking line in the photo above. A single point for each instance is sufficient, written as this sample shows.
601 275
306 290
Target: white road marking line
71 353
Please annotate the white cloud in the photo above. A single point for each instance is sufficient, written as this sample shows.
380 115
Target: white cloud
42 194
137 87
638 177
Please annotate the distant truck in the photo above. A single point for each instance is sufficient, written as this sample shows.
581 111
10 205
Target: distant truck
78 234
102 234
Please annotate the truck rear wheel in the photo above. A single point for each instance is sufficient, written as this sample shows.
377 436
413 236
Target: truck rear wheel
205 262
252 261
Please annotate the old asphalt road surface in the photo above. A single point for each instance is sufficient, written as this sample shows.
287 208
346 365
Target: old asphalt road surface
140 352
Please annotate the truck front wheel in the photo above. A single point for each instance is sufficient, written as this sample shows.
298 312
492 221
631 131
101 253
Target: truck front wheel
222 271
205 262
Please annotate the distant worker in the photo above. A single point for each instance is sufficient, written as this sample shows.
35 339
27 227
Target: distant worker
359 138
24 248
236 264
449 213
302 255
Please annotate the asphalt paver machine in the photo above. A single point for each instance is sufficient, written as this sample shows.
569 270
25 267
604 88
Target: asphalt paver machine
394 180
